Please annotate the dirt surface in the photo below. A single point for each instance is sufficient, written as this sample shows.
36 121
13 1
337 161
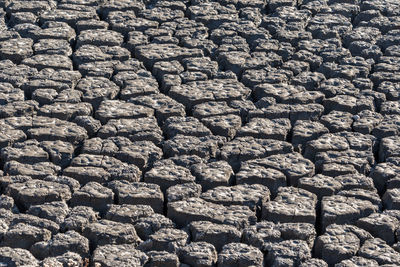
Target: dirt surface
227 133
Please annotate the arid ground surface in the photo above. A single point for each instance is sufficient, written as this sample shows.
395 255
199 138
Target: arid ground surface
227 133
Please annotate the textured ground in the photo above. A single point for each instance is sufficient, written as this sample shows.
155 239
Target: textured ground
200 133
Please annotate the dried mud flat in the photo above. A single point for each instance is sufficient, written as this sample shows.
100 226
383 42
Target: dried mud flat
200 133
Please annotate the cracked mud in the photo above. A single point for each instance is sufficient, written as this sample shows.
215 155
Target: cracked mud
226 133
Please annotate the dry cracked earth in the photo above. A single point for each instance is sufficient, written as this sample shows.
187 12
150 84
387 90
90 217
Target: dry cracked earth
200 133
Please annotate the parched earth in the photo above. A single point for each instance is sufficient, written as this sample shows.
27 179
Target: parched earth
227 133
